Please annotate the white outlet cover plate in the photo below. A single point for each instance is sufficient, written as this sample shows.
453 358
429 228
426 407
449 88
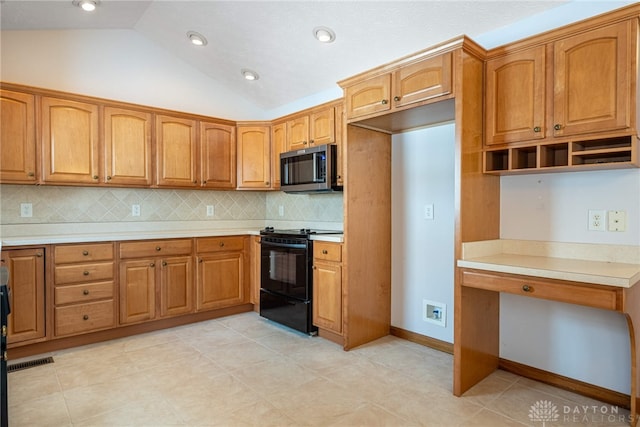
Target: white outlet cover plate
597 220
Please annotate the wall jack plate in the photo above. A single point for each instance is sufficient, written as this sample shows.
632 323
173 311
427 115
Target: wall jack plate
434 312
617 220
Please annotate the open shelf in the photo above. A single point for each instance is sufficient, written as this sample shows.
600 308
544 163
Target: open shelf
606 153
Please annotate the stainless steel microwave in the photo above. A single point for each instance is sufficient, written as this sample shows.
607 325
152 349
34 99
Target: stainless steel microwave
309 170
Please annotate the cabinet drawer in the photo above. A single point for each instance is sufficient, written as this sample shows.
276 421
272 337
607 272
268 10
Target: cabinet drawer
83 293
606 297
83 253
327 251
155 248
79 318
83 272
219 244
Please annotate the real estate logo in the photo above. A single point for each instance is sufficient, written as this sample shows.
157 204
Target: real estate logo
544 411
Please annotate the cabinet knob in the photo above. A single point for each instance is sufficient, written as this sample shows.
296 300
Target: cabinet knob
158 248
164 263
86 273
221 244
384 102
85 317
85 292
31 174
324 252
557 126
312 141
39 254
153 264
85 253
195 181
527 288
396 98
266 183
304 142
204 182
95 176
314 267
108 178
537 129
200 260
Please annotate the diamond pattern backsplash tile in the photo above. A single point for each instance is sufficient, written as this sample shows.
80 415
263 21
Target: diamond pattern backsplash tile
59 204
80 204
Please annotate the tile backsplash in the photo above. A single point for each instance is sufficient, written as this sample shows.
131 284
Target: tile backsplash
60 204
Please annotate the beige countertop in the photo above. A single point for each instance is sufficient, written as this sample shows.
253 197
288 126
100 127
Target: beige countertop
611 265
41 234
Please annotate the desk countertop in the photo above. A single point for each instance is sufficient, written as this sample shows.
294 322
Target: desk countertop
611 265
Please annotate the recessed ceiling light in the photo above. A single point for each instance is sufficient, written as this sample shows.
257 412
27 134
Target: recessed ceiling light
249 74
197 38
324 34
87 5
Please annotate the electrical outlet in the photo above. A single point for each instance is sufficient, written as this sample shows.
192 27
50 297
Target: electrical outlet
597 220
428 211
26 210
209 210
135 210
281 210
617 220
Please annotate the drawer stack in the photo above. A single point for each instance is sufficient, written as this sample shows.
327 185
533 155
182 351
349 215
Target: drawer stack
83 288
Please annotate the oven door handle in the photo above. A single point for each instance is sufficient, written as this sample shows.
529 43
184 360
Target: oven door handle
284 245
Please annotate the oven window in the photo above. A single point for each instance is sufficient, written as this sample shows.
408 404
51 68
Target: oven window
284 271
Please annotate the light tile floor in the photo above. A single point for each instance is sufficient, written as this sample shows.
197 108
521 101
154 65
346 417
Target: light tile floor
243 370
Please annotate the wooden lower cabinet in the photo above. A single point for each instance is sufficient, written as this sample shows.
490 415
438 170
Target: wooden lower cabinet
27 295
327 286
83 288
155 286
222 269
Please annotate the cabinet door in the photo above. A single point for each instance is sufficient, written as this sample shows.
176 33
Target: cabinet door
368 97
176 152
17 138
176 286
217 155
592 81
515 97
70 142
220 282
254 157
340 138
127 145
427 79
137 290
323 127
327 295
278 146
26 283
298 133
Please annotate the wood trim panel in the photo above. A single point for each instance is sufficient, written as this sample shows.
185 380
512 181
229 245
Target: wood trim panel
424 340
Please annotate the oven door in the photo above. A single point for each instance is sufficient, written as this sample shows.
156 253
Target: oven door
285 267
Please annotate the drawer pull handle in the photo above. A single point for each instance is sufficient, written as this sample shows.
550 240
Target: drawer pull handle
85 253
86 273
158 248
85 317
85 292
527 288
324 252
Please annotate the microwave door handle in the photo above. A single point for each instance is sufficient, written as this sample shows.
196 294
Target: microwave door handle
315 167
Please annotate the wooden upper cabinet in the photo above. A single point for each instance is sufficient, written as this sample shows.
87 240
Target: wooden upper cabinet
278 145
70 141
322 126
254 157
429 78
298 133
593 80
127 146
368 97
18 161
176 152
217 155
515 97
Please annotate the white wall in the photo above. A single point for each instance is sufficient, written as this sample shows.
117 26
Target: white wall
422 261
583 343
116 64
